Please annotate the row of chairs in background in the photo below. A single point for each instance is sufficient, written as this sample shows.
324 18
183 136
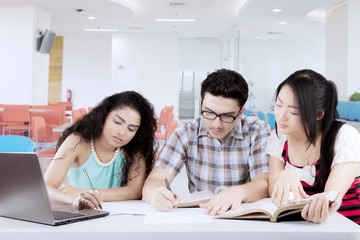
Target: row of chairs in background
37 139
268 117
16 119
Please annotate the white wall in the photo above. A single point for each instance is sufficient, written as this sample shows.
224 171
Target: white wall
147 63
87 70
266 63
337 49
24 72
199 54
353 46
40 77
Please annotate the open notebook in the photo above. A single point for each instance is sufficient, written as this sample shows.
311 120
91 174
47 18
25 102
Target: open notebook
24 195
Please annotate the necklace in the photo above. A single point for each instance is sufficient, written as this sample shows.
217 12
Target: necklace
103 164
308 155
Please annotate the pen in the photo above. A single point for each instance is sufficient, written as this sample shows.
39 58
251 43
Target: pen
168 187
89 181
167 184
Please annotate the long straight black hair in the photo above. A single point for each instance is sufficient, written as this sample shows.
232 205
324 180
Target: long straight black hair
316 95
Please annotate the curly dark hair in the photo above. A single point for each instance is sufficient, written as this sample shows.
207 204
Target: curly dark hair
143 143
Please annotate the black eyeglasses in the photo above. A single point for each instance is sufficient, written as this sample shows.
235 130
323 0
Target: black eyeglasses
223 117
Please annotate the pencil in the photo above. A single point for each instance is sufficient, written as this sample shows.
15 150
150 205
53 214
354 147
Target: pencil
167 184
168 187
89 181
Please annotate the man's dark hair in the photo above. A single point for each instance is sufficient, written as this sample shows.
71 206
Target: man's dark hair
226 83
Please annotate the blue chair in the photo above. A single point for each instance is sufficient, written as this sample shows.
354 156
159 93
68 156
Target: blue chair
271 119
354 112
261 115
343 108
15 143
247 112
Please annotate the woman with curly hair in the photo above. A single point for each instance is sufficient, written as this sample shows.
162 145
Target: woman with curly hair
114 143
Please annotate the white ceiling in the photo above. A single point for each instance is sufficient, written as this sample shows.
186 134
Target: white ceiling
214 18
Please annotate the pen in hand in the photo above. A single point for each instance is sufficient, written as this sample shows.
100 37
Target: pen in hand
168 186
89 181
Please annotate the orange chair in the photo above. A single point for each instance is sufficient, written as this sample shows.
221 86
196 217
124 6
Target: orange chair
16 119
162 119
170 127
68 105
76 116
82 111
38 128
54 118
1 118
156 155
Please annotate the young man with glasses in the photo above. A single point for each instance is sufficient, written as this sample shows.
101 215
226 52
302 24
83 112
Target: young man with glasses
222 149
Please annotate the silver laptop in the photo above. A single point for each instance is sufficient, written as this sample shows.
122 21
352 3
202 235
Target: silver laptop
23 193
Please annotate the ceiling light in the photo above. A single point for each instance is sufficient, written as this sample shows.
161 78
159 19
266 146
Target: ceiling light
136 28
282 23
258 37
277 10
175 20
177 4
274 33
91 18
101 30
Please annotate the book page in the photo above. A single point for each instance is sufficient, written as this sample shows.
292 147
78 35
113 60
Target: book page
264 205
330 195
195 198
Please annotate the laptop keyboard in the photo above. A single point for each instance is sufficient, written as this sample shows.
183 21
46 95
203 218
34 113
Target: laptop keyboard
61 215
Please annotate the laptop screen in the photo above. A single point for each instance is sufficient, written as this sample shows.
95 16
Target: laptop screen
24 195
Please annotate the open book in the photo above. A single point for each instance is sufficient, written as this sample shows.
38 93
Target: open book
265 209
196 198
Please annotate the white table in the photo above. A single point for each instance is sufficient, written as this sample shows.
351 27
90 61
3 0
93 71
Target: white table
39 110
36 110
61 128
132 227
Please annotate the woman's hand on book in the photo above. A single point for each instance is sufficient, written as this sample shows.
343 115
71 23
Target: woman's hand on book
164 200
286 183
317 211
229 198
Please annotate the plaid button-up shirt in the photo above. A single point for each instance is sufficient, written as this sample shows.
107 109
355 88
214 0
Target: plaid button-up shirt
211 164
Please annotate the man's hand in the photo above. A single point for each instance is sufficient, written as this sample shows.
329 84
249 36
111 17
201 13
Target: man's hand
164 200
230 198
